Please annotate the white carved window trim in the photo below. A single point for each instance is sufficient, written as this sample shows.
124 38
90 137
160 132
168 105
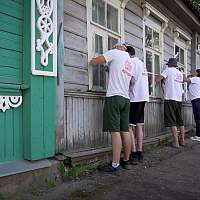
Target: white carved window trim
8 102
148 11
35 44
93 28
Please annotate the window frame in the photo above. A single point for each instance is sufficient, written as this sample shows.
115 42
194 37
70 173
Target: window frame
183 45
93 27
158 28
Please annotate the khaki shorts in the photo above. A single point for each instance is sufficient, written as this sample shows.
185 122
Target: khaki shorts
173 113
116 114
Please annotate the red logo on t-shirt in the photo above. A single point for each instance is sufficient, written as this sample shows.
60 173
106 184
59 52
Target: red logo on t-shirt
127 68
179 78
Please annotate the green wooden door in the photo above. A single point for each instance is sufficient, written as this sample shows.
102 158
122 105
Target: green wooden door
11 63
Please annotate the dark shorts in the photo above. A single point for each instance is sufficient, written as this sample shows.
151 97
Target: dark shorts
136 114
116 114
173 113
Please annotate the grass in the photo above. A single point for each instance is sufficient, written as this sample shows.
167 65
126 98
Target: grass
76 171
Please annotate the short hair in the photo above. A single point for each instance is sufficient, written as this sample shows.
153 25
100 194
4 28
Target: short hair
130 50
198 72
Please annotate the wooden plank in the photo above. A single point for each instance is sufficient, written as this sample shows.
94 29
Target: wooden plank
8 75
2 136
75 25
19 1
37 118
131 39
133 18
10 41
18 133
10 24
81 2
9 137
133 29
69 125
75 59
49 116
137 2
135 8
75 42
11 8
75 75
10 58
75 9
168 40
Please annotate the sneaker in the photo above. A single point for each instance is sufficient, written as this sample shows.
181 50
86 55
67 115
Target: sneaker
195 138
133 158
140 156
126 164
110 168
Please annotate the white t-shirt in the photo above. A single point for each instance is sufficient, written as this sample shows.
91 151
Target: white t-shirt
139 91
120 73
173 84
194 88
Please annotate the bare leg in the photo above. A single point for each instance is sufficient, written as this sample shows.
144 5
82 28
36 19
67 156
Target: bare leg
132 134
182 136
126 139
116 147
175 136
139 137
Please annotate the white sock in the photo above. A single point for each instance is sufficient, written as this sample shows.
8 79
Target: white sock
115 165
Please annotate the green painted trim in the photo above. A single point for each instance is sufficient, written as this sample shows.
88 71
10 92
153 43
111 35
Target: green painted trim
11 86
38 104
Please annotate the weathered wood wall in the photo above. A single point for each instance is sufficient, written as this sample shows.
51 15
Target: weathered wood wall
133 25
75 36
83 110
84 121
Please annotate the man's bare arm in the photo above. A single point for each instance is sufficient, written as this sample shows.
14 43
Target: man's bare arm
158 78
185 79
98 60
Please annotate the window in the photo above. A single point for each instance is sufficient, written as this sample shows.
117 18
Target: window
154 25
103 32
182 41
153 54
180 53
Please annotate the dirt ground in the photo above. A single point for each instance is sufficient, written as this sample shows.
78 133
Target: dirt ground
166 174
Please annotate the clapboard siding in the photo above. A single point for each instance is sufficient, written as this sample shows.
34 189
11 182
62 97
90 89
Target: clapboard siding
135 7
168 44
130 28
74 58
75 75
12 9
134 40
133 26
75 71
11 36
75 9
76 42
75 87
75 25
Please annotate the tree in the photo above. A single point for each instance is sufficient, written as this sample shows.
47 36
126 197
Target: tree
196 4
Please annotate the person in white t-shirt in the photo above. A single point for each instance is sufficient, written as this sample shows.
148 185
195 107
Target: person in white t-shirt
139 95
117 102
173 101
194 92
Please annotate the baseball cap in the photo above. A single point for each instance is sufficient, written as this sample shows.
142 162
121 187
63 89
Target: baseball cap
120 44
